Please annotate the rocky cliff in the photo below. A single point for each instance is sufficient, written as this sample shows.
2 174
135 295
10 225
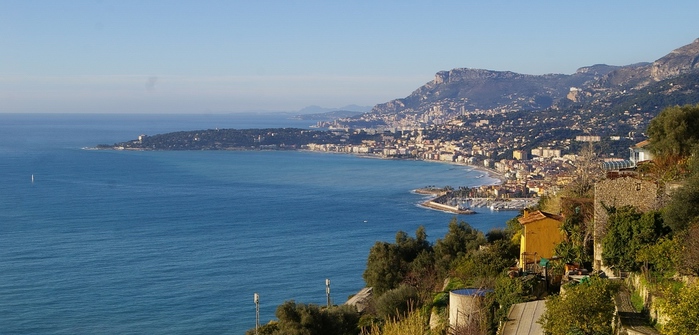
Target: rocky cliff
463 90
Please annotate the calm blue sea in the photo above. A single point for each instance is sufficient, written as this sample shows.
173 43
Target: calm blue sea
114 242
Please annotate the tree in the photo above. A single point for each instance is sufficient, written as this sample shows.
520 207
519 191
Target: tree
586 168
301 319
384 267
683 311
488 262
577 246
689 242
388 264
661 257
675 131
683 206
586 308
628 232
459 240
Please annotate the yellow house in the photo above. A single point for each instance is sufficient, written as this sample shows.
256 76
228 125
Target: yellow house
541 232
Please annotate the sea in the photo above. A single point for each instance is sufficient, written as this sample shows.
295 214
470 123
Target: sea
178 242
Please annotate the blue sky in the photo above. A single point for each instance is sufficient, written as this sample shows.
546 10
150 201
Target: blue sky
145 56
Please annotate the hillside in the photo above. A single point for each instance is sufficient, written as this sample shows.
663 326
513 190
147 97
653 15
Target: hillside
599 88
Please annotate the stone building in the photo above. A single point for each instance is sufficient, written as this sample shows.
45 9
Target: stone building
645 195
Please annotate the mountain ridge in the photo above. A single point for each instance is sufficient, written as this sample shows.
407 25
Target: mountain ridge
462 91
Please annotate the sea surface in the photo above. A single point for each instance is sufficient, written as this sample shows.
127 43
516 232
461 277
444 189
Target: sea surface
127 242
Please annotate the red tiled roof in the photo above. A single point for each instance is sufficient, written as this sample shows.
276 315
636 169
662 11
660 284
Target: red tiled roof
538 215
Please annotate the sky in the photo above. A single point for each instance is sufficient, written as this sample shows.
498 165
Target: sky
151 56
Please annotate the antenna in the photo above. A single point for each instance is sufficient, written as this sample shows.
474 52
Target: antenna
327 290
256 298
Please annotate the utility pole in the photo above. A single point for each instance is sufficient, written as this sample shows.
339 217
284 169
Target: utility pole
256 298
327 290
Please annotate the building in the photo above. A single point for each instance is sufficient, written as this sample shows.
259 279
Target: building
467 310
640 153
588 138
546 152
541 232
520 155
645 195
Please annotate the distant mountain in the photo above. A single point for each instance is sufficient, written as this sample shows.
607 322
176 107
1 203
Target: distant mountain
319 110
327 116
464 91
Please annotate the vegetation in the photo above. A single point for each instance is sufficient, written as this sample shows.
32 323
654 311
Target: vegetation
629 232
682 307
226 139
585 309
682 209
409 274
301 319
412 277
414 323
675 131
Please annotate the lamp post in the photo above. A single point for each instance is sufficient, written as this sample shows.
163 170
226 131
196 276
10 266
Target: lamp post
256 298
327 290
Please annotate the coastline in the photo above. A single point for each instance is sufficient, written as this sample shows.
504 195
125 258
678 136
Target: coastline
490 173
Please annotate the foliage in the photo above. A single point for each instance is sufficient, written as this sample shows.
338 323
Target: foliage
689 255
576 248
628 232
487 262
396 303
683 206
662 257
301 319
412 324
675 131
384 269
509 291
271 328
388 264
459 240
585 308
637 302
514 229
682 308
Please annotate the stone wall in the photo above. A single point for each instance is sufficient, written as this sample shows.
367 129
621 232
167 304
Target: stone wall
643 194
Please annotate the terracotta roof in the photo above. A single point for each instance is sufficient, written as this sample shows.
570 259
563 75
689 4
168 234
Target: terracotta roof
538 215
642 144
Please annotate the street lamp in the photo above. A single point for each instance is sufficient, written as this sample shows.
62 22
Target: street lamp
256 298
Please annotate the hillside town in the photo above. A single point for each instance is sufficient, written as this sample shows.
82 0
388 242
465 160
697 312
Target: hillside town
536 172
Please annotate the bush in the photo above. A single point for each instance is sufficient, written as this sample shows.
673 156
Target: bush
301 319
585 308
682 308
396 303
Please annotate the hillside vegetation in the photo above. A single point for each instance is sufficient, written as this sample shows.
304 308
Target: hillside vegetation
412 277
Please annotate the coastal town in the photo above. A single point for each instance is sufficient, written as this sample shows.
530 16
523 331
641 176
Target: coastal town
526 174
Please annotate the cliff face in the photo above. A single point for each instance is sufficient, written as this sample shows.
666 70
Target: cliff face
677 62
475 89
464 90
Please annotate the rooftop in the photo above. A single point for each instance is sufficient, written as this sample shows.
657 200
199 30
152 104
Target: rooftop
529 217
522 319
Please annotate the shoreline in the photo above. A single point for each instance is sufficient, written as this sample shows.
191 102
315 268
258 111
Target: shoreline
488 172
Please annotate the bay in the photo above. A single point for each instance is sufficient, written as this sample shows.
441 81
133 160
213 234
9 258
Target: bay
122 242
